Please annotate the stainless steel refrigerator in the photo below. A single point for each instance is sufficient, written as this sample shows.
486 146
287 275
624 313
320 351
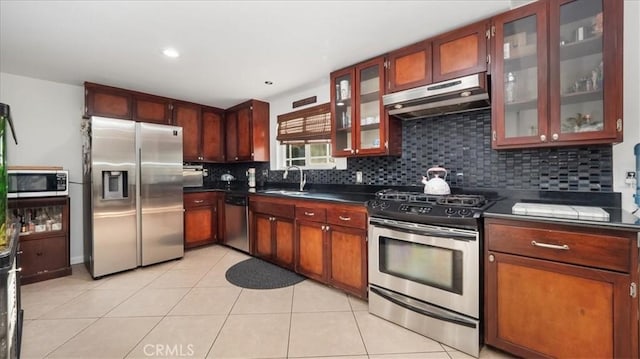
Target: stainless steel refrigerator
133 209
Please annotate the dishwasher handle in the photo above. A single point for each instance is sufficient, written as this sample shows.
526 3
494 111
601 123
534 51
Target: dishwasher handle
236 200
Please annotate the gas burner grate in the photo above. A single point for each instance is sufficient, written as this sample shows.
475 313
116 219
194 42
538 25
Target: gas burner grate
457 200
460 200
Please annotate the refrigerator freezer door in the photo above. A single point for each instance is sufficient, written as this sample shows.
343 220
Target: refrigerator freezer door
114 219
160 191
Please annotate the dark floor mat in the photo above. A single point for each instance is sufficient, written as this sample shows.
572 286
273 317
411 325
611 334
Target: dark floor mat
255 273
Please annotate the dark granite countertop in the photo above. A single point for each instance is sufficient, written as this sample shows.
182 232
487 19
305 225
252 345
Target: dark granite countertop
608 201
504 199
353 194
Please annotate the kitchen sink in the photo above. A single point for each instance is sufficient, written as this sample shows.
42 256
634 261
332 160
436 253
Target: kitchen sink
286 192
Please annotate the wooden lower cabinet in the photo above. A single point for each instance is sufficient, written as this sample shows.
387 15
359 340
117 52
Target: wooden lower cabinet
323 241
331 245
539 303
44 249
200 218
272 231
347 263
311 250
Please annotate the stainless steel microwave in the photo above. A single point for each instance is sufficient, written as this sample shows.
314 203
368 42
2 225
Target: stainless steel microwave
37 183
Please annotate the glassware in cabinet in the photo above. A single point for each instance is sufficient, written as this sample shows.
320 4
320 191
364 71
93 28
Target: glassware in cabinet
520 65
579 69
342 112
369 111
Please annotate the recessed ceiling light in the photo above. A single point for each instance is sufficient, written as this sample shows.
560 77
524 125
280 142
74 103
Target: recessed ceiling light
268 82
171 52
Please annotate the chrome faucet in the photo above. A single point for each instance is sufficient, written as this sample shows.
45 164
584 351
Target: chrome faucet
303 177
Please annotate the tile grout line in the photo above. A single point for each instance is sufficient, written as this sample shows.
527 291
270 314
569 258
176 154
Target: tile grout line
293 293
353 314
225 318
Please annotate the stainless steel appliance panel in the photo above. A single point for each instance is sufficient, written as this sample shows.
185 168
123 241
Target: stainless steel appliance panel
464 241
161 204
193 175
114 221
235 222
457 331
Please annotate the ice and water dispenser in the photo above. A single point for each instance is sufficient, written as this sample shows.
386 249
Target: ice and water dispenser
115 185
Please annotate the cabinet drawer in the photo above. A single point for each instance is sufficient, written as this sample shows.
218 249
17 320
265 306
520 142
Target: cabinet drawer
311 213
588 247
349 217
200 199
273 208
43 255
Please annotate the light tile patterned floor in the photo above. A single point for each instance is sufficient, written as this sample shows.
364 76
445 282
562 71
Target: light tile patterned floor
186 308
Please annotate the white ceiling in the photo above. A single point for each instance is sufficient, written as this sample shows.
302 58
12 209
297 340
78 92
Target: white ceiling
228 48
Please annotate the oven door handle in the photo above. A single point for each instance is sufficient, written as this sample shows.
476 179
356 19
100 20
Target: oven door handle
433 231
423 308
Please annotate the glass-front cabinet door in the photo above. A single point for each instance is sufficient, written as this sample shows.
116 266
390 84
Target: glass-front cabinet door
520 89
369 112
343 112
582 70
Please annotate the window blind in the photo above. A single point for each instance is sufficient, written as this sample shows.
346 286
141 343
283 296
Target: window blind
311 124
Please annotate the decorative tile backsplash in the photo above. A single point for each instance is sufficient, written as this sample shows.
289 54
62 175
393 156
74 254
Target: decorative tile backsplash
461 143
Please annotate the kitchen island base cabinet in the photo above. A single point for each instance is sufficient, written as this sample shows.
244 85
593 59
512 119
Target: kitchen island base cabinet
546 296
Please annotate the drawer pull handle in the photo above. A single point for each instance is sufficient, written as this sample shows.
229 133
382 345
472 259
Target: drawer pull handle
563 247
344 218
198 201
311 214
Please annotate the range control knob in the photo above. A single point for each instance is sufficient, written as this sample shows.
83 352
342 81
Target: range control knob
450 211
464 212
384 205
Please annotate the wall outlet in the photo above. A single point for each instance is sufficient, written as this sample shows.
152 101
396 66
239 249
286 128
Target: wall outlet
359 177
630 179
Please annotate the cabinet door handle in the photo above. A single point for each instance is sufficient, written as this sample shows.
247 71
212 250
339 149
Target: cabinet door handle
310 214
322 227
543 138
563 247
326 228
198 201
555 137
344 218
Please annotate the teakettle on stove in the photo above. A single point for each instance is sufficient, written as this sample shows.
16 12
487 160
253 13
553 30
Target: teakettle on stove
434 184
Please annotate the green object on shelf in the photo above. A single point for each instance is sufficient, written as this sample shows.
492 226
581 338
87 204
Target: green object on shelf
5 118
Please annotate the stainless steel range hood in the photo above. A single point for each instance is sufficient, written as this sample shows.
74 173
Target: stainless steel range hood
458 95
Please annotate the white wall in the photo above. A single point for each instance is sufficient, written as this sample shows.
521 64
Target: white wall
283 104
623 158
47 119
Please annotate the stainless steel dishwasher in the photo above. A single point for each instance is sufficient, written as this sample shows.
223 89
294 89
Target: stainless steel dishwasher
235 222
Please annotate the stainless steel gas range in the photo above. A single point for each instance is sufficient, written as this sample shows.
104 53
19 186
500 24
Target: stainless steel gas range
424 264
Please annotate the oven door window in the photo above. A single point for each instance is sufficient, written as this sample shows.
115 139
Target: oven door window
433 266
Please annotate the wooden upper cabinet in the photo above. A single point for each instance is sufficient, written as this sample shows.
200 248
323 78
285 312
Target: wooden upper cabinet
231 135
152 109
557 74
360 125
106 101
247 132
409 67
212 128
187 116
244 133
460 52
